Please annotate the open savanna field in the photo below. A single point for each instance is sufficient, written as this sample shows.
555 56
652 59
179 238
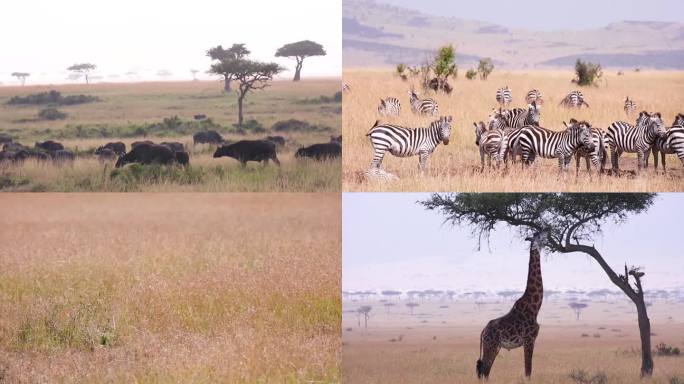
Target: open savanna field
136 111
440 343
457 166
160 288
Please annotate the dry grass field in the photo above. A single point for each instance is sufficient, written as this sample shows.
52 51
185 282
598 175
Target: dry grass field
456 167
125 110
439 343
159 288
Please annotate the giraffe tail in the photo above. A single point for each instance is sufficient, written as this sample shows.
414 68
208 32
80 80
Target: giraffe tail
480 365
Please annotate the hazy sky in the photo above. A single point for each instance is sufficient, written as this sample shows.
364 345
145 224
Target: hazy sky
46 36
550 15
390 242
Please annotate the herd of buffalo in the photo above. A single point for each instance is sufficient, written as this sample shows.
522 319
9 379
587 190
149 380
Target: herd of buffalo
168 153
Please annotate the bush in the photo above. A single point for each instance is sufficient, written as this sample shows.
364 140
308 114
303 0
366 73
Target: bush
471 74
51 114
580 376
51 98
322 99
485 68
252 125
587 73
663 349
294 125
401 71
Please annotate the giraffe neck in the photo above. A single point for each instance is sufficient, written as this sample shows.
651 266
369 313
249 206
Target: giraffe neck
534 291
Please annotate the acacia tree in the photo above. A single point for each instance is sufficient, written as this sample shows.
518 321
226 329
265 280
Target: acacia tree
224 59
83 70
577 308
251 75
365 312
21 76
573 222
194 74
485 68
300 51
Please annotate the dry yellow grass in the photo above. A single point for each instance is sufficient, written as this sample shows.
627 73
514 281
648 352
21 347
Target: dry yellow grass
151 288
441 345
456 167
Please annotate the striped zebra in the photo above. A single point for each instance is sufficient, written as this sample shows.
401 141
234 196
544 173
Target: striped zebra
574 99
597 156
542 142
422 106
389 107
492 143
534 96
672 143
624 137
511 122
504 96
630 106
406 142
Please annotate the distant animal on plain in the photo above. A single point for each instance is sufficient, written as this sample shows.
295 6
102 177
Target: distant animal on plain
249 150
324 151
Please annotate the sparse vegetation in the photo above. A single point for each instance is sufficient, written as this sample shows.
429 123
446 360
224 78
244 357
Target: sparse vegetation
51 114
53 98
580 376
444 66
485 68
471 74
587 73
663 349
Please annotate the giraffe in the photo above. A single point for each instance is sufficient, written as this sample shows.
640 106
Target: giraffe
519 326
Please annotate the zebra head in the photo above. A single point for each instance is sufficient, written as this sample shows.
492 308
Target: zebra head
532 114
653 123
444 128
679 119
585 135
479 130
413 96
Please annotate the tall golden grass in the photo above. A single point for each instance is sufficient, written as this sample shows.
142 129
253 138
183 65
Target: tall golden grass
456 167
158 288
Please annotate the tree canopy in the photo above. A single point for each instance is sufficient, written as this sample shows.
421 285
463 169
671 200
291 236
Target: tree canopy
83 69
21 76
223 59
300 51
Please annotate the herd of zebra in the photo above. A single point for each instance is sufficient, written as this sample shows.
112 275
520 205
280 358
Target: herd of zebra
517 132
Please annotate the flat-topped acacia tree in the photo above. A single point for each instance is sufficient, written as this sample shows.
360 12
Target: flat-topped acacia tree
251 75
300 51
21 76
573 220
222 61
83 69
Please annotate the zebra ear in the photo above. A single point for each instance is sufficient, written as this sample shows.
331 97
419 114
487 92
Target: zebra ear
566 124
573 121
657 114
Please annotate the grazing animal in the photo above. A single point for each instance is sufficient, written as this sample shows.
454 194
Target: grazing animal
5 138
537 141
519 326
405 142
389 107
597 156
106 154
336 139
118 147
624 137
504 96
422 106
323 151
511 123
49 145
145 153
207 137
182 158
63 156
435 85
278 140
174 146
534 96
630 106
200 117
492 143
136 143
249 150
671 143
13 157
574 99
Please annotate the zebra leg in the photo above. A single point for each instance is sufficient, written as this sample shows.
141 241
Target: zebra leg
422 161
577 164
482 155
655 158
377 158
614 161
640 161
662 155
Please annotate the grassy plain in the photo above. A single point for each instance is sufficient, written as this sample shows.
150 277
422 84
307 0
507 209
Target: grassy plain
456 167
158 288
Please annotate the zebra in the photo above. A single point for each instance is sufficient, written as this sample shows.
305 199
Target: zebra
389 107
504 96
511 122
492 143
345 87
534 96
406 142
538 141
422 106
597 156
672 143
624 137
574 99
630 106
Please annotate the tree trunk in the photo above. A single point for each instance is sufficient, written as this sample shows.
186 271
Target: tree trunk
298 69
645 333
226 84
241 97
86 77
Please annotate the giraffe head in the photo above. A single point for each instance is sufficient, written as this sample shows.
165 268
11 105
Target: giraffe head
538 239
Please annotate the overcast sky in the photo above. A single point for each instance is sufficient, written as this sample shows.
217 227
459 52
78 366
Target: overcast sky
390 242
550 15
44 37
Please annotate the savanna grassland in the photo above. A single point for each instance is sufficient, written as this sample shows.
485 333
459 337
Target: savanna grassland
159 288
130 112
456 167
440 341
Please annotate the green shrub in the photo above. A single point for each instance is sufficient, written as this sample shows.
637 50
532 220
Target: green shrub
51 114
587 73
485 68
294 125
51 98
471 74
253 126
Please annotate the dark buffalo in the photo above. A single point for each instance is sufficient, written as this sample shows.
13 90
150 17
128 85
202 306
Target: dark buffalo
174 146
249 150
63 156
14 156
182 157
278 140
117 147
200 117
14 147
5 138
336 139
147 154
207 137
106 154
136 143
49 145
321 151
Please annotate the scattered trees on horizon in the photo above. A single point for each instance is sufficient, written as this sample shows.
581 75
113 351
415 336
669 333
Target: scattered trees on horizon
300 51
577 308
21 76
81 70
412 305
224 62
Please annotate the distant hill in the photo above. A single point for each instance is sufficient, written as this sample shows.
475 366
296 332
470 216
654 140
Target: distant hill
377 34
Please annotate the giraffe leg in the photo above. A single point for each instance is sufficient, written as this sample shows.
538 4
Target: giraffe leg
489 353
529 350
